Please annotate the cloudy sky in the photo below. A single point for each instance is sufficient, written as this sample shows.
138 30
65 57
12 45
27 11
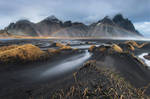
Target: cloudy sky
86 11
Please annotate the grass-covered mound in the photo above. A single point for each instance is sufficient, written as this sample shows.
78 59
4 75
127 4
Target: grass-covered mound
134 44
145 46
91 48
66 48
131 67
127 47
53 51
108 49
61 46
94 82
116 48
20 53
4 48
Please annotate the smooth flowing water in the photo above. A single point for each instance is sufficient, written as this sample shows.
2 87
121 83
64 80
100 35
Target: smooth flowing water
67 65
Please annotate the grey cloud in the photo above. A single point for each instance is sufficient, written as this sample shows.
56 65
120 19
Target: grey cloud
76 10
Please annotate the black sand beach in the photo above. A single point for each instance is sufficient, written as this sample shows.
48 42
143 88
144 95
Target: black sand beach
76 74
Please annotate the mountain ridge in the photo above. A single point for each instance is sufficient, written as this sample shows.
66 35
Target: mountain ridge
51 26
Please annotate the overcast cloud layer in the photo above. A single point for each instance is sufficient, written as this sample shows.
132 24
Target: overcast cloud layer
86 11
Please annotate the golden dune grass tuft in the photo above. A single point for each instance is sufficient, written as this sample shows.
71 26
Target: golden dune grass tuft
27 52
102 49
66 48
99 82
117 48
59 45
53 51
63 47
112 48
131 47
92 48
127 47
4 48
134 44
75 49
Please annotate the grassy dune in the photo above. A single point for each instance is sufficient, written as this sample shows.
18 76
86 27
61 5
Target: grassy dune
29 53
97 82
117 48
111 48
92 81
134 44
24 53
92 48
4 48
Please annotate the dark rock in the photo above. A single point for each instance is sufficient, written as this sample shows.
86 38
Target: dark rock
107 20
67 24
124 23
22 27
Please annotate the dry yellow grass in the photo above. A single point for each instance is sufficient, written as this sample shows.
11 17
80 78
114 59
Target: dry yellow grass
63 47
59 45
133 43
53 51
142 45
92 47
131 47
27 52
112 48
102 49
127 47
4 48
117 48
66 48
99 82
75 49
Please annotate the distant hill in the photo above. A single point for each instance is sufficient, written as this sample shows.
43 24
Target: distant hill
52 26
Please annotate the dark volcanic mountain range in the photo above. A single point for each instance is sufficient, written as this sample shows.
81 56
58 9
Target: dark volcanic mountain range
51 26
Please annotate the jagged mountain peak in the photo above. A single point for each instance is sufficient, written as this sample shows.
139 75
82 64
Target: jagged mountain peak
106 20
52 18
52 26
118 17
23 21
124 22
